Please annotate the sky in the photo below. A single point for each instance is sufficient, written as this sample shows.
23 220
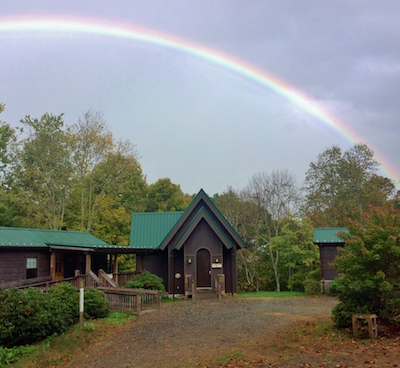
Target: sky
214 91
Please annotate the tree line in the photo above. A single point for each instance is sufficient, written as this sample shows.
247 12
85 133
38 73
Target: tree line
276 216
76 177
80 177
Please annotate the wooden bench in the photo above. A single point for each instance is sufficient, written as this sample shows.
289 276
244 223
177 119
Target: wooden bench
358 322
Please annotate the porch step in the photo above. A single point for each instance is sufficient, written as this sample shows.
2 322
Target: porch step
205 294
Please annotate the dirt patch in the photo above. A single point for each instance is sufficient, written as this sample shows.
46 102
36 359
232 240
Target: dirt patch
242 332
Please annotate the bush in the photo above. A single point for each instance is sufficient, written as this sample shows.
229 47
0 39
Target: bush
146 280
31 315
63 303
312 283
95 304
369 268
24 316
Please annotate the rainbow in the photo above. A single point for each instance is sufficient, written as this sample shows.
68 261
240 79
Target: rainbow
78 25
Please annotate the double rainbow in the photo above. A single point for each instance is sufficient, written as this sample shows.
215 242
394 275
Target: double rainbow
71 25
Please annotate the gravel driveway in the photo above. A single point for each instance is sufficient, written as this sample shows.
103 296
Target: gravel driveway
189 333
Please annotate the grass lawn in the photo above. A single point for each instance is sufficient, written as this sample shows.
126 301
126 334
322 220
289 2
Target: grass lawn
271 294
57 350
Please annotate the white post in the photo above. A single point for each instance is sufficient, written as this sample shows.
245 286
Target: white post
81 298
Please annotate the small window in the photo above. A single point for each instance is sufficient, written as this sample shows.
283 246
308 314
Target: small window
31 268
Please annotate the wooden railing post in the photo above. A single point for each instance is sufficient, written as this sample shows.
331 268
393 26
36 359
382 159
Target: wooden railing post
220 285
159 300
115 273
193 289
139 304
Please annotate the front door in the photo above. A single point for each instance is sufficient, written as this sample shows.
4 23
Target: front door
203 266
59 265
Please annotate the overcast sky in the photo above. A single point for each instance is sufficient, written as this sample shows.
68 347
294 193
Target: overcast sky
199 123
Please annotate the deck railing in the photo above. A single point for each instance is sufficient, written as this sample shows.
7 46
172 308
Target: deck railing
124 277
106 280
25 283
90 280
132 300
118 299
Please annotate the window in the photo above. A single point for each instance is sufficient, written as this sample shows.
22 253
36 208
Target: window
31 268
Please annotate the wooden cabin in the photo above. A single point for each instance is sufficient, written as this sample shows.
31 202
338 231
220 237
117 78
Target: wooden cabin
328 242
190 250
29 256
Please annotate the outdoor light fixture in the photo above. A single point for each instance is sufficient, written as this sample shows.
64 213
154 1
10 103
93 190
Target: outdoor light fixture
189 260
216 261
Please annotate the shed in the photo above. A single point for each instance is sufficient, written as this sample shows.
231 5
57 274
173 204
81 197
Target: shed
328 242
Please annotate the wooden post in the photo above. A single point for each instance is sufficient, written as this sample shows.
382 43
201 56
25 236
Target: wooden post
193 288
138 304
159 301
221 285
88 268
116 268
81 304
53 265
187 286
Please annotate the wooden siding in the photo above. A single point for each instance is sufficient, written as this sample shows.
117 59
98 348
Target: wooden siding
203 237
177 267
13 264
155 262
328 253
230 270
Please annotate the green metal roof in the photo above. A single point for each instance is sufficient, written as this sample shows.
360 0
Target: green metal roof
328 235
149 229
18 237
153 230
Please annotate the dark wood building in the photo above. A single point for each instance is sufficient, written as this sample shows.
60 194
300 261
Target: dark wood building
328 244
32 255
188 250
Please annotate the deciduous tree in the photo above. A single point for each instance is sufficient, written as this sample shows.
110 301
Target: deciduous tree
44 169
341 185
276 195
369 267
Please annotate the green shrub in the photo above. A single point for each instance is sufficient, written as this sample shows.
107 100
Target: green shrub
353 298
146 280
369 268
312 283
95 304
63 304
31 315
24 316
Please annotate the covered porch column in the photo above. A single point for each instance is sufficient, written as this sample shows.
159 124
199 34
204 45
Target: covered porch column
53 265
88 266
115 270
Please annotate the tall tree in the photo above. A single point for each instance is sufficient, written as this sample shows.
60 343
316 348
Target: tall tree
91 142
124 191
299 255
10 202
44 169
244 216
165 196
276 195
6 135
342 185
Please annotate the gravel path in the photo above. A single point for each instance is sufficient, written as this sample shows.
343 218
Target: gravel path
187 333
